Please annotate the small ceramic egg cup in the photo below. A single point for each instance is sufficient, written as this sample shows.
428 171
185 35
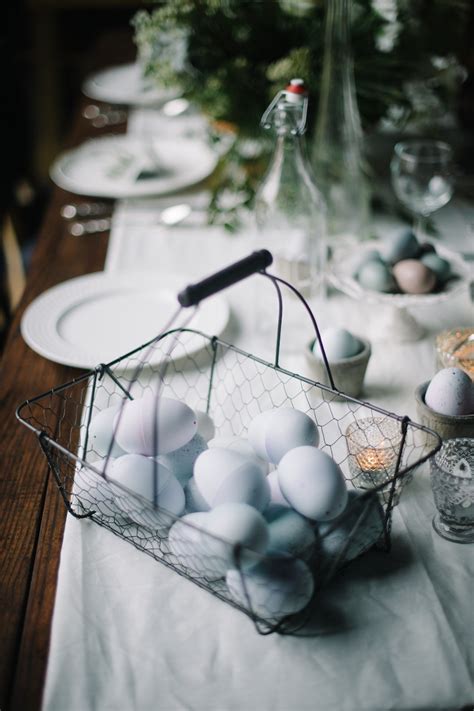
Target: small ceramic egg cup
447 426
348 373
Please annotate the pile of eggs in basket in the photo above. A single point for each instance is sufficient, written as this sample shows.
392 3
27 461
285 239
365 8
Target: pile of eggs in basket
255 510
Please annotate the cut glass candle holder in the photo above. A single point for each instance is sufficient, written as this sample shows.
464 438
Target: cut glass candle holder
452 482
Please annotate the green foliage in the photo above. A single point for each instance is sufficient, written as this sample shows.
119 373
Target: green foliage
230 56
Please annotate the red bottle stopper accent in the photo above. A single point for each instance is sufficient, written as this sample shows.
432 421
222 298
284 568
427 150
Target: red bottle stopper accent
296 86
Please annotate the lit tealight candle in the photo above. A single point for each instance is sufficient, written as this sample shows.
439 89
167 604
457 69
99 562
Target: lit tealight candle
377 463
373 444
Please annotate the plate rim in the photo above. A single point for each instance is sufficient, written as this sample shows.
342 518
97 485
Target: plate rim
152 98
146 188
142 278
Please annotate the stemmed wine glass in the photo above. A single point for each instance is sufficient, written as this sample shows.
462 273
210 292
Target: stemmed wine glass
422 177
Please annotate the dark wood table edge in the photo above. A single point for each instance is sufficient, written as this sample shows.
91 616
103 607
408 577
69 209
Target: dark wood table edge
32 527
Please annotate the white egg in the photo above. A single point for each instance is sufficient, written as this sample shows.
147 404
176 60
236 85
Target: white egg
256 433
188 543
313 483
224 476
334 536
451 392
275 432
101 433
276 496
150 480
205 425
289 532
195 502
181 461
170 422
239 536
338 344
276 587
238 444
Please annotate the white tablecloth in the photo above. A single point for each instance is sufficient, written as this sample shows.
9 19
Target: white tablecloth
392 631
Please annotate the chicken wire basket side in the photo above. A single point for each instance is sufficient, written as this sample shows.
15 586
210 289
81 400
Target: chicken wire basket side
232 386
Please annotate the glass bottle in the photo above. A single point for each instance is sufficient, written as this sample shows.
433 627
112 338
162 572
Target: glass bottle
336 156
290 213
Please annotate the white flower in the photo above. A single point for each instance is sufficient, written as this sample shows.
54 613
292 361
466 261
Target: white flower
387 9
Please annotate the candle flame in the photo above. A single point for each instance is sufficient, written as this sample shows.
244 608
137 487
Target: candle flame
371 459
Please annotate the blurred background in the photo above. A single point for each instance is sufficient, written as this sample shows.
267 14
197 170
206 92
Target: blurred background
48 47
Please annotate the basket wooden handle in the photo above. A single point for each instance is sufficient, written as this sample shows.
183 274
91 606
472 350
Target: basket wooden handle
195 293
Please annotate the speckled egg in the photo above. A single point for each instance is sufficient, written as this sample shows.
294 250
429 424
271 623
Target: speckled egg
401 246
451 392
275 587
101 433
376 276
414 277
338 344
181 461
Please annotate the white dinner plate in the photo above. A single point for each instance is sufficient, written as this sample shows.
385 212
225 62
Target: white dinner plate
98 317
133 166
125 84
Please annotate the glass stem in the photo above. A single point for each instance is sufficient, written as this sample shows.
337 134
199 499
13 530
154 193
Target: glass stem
419 227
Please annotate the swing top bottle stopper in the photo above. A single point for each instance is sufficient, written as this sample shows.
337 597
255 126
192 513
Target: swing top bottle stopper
292 102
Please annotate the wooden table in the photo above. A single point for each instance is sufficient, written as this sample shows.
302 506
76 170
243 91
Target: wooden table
33 513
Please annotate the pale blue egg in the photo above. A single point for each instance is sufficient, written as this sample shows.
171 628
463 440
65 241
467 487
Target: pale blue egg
338 344
188 543
451 392
289 531
239 536
441 267
195 501
274 588
313 483
377 277
372 255
335 535
401 246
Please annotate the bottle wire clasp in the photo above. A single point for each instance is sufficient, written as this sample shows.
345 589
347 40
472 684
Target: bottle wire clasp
293 96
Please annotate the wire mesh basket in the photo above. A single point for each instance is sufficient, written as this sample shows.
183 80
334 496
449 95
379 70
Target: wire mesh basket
275 588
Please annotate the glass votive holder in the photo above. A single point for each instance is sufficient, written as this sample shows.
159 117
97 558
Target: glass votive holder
452 482
455 349
373 444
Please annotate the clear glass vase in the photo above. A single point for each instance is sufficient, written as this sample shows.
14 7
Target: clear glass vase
336 155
